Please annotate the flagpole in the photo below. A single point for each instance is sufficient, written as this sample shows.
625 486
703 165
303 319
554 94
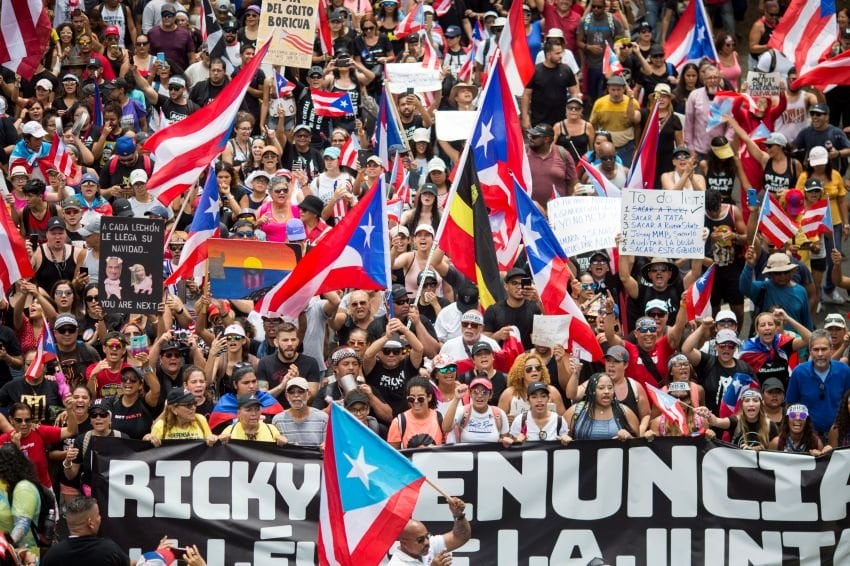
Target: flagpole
758 220
394 109
190 196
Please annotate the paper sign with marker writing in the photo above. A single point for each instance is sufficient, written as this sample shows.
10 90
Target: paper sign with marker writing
663 223
550 330
403 76
584 224
763 84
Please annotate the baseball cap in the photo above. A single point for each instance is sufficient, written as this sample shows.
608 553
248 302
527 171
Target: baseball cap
772 384
616 80
724 336
125 146
354 398
316 70
726 314
234 330
542 130
248 400
19 170
34 129
179 396
663 89
656 304
424 228
65 320
157 211
332 152
467 298
515 272
111 30
175 80
481 346
298 382
776 138
122 208
537 386
834 320
813 185
821 108
426 274
295 231
452 31
437 164
483 382
399 292
618 354
500 22
138 176
55 222
89 178
91 227
421 135
70 203
45 84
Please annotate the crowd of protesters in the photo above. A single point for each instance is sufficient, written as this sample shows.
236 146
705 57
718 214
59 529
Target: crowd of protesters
418 369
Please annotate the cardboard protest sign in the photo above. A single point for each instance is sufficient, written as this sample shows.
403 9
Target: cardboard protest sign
130 279
663 223
550 330
763 84
242 269
402 76
584 224
292 27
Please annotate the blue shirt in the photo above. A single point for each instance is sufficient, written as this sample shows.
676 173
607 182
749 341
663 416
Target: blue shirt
821 397
793 298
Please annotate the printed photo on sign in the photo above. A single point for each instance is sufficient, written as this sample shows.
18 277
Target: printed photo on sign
244 269
131 264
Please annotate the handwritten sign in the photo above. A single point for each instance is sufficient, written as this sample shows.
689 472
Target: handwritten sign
584 224
130 278
663 223
550 330
292 26
454 125
762 84
402 76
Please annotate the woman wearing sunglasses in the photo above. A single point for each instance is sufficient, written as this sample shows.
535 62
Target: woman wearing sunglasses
76 467
527 368
798 434
180 420
446 384
104 377
275 213
132 408
476 421
80 405
228 351
421 422
93 327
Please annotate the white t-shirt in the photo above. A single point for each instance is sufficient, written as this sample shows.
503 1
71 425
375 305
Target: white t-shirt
437 545
481 427
535 433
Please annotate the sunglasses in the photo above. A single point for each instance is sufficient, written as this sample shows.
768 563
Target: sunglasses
66 330
358 303
98 414
646 330
142 43
245 234
280 191
816 114
448 369
368 28
91 298
417 400
656 314
171 354
357 342
400 302
391 351
268 319
725 346
19 420
795 416
175 247
529 369
233 338
174 87
84 41
129 379
469 325
574 108
114 344
480 391
63 293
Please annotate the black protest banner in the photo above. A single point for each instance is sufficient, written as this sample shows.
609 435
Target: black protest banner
672 501
130 264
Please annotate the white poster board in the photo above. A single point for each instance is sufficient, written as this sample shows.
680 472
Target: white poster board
584 224
663 223
763 84
454 125
550 330
402 76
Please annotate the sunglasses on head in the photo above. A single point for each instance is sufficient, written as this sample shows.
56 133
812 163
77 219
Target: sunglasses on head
417 400
448 369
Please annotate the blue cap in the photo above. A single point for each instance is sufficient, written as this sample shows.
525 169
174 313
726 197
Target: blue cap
295 231
453 31
332 152
125 146
90 178
158 211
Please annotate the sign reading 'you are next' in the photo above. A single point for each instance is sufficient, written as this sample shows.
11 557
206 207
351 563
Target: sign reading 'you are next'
130 278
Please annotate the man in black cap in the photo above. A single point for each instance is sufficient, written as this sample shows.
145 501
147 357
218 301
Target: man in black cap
552 166
306 115
822 133
518 309
311 215
447 325
74 355
176 106
409 316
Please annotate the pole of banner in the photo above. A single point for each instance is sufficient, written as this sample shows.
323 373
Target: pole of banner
190 196
758 220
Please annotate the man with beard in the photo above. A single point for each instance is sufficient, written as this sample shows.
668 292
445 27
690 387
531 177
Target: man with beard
413 115
205 92
74 356
388 367
697 112
301 424
278 368
460 347
714 371
418 546
174 107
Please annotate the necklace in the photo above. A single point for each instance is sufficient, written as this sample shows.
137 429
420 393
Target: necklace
59 265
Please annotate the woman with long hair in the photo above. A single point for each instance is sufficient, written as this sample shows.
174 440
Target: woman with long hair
600 415
230 350
180 420
721 168
77 464
438 174
21 501
419 425
425 209
798 434
80 405
64 300
839 433
688 82
445 382
684 176
255 158
373 50
727 58
237 150
527 368
345 74
389 18
195 381
70 95
250 29
142 58
781 171
333 185
28 315
66 48
749 428
92 325
134 405
575 134
228 190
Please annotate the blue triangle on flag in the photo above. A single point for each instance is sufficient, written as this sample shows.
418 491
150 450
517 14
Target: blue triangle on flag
371 240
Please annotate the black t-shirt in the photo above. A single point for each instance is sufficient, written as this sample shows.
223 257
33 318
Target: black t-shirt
119 173
205 92
39 398
549 93
134 421
84 551
273 370
500 315
773 432
714 378
388 384
174 112
74 364
10 342
378 327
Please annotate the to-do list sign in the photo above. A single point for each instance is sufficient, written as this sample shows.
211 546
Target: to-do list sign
663 223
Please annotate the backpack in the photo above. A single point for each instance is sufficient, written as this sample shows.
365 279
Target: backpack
402 425
113 163
43 527
524 425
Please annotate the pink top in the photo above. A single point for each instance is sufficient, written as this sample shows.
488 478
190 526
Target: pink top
275 231
733 73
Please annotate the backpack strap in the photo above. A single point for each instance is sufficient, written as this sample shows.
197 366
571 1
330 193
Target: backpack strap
497 416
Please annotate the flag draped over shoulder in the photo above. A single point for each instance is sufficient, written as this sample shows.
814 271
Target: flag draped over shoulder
184 149
465 233
368 493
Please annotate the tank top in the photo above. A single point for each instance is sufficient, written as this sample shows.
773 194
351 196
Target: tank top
416 267
793 119
93 265
576 145
722 182
599 429
723 253
774 182
240 155
630 400
49 272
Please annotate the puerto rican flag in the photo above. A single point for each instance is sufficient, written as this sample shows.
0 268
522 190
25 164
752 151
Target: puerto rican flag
355 253
59 159
516 56
698 296
25 35
774 223
399 181
184 149
604 187
412 23
45 352
283 86
731 400
832 71
324 30
387 130
817 219
368 493
205 225
642 173
610 62
348 152
806 32
394 209
668 405
551 274
331 104
691 39
14 262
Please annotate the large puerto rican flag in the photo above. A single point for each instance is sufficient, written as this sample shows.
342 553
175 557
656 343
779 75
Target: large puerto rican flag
24 35
642 173
833 71
184 149
548 264
516 56
691 39
806 32
368 493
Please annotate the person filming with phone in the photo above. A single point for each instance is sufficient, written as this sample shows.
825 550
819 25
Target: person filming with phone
517 309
